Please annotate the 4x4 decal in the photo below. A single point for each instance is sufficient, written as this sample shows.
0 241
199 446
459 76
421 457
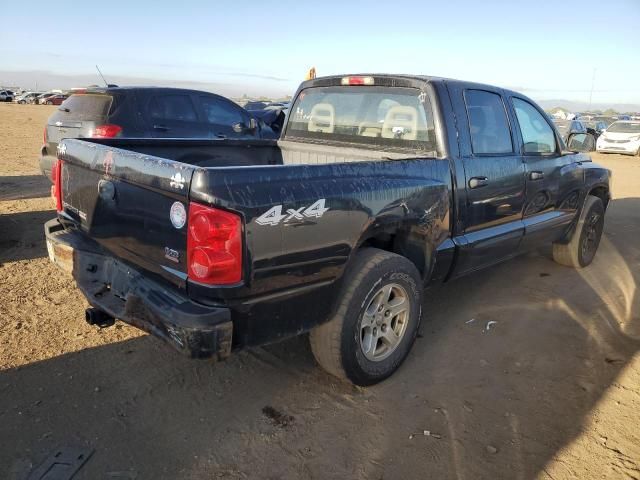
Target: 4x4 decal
274 215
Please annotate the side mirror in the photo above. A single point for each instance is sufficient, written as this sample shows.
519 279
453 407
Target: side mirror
240 127
581 142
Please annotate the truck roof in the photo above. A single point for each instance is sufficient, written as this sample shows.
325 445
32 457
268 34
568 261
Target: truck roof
389 78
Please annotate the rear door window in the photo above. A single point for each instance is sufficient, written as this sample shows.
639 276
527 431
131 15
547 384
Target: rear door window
488 123
372 116
172 107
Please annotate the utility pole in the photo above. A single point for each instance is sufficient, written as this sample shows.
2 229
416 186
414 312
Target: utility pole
593 81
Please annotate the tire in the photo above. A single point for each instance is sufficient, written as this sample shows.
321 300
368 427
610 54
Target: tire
353 345
583 245
49 103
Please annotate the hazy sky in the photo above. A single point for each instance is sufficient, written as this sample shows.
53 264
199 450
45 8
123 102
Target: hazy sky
548 49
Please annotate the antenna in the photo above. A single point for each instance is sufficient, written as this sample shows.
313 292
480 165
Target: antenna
593 81
105 82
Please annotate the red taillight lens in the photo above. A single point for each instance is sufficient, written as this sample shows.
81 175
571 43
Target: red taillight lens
106 131
56 189
44 136
214 245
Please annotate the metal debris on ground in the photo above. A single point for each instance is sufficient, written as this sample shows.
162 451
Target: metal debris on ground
62 464
425 433
489 324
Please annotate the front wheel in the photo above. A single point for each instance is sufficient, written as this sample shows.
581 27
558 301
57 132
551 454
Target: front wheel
583 245
376 322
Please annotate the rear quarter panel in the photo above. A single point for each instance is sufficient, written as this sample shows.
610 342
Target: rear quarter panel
407 198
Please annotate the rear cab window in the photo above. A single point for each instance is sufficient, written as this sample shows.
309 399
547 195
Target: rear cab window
371 117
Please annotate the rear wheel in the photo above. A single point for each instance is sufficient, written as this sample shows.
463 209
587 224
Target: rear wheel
376 322
49 103
583 245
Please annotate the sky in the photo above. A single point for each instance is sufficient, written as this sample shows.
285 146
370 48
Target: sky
546 49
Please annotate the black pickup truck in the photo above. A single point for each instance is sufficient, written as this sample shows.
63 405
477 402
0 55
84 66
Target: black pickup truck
379 186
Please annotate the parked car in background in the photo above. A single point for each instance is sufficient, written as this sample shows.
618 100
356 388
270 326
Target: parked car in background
568 127
28 97
621 137
148 112
42 99
595 127
250 106
603 118
56 99
6 96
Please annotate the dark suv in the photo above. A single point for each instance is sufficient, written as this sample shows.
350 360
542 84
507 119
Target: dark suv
148 112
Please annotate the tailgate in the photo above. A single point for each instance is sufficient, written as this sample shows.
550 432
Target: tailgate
132 204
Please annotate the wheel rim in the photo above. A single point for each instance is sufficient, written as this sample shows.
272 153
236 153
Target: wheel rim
592 233
384 322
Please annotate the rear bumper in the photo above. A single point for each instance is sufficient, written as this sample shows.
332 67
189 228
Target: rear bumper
195 330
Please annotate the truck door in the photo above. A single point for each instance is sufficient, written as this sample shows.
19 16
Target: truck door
553 179
494 178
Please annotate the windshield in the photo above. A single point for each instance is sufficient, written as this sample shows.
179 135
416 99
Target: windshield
620 127
373 116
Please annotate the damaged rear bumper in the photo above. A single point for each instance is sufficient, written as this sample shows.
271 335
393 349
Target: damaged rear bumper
194 329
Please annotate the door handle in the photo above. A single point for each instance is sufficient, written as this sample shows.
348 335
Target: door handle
536 175
162 128
221 136
477 182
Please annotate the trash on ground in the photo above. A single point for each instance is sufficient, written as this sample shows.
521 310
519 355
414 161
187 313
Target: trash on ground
489 325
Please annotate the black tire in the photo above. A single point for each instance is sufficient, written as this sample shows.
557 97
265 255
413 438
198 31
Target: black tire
583 245
338 344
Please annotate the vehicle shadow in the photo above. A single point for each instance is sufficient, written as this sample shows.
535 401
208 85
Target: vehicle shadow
474 399
22 187
22 235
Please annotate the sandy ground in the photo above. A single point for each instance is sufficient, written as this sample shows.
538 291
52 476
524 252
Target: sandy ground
550 391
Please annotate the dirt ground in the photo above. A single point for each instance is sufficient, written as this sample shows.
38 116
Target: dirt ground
551 391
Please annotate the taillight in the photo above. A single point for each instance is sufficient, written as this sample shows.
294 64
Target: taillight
56 189
44 136
106 131
214 245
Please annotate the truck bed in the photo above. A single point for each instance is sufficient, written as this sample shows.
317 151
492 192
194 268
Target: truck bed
350 197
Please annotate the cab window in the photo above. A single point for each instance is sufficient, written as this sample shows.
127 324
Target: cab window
537 135
488 124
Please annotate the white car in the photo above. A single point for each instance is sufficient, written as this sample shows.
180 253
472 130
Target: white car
622 136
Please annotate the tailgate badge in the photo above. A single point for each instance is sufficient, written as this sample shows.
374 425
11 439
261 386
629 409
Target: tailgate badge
177 181
171 254
178 215
61 150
